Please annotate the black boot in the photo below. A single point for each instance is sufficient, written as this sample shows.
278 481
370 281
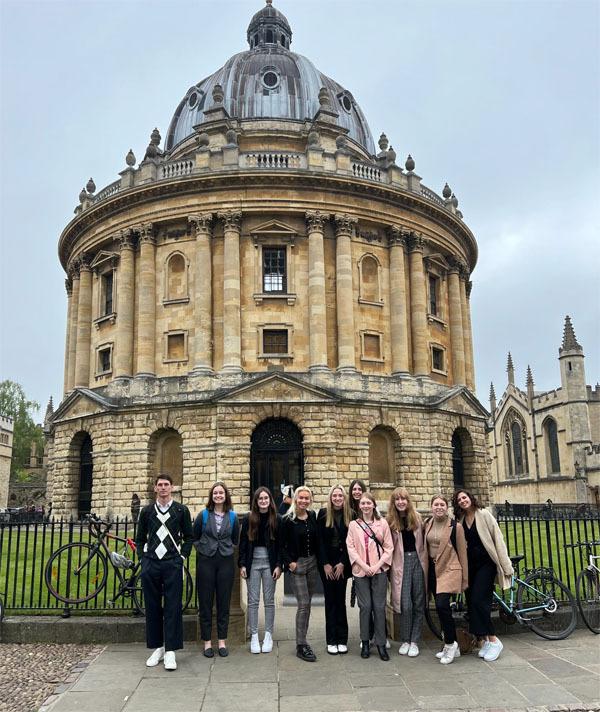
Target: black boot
383 653
305 652
365 649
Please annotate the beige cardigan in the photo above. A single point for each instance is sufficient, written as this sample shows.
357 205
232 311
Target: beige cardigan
493 542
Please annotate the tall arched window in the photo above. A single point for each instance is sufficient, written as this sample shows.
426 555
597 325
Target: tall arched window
551 443
369 279
384 447
515 445
86 472
176 284
168 457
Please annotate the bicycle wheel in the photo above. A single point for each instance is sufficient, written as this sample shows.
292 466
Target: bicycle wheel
555 614
588 598
76 572
137 592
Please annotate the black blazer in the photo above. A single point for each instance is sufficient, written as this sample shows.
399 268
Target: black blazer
326 552
246 549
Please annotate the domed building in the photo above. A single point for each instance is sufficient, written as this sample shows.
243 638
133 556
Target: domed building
266 299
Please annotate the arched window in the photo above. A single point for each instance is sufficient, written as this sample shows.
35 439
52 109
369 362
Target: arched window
369 279
269 36
515 445
176 282
168 458
463 459
551 442
384 450
86 472
458 465
276 456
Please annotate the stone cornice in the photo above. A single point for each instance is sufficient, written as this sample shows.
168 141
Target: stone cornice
302 180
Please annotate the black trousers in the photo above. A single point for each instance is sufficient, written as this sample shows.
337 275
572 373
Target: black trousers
442 606
479 598
162 583
214 578
336 621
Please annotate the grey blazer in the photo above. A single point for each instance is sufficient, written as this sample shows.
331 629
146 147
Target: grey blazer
209 542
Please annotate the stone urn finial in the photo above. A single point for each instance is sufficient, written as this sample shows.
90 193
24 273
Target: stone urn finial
91 186
155 137
82 195
340 142
231 137
447 192
454 200
203 139
410 163
130 158
383 142
324 97
218 94
391 154
314 139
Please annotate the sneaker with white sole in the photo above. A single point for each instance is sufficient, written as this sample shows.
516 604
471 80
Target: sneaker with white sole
449 654
170 662
413 650
484 648
342 649
388 645
267 645
440 655
332 649
403 649
156 657
493 651
254 643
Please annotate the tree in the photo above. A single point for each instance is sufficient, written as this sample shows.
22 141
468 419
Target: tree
14 404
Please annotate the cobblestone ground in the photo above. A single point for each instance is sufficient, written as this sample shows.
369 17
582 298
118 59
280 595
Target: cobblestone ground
30 673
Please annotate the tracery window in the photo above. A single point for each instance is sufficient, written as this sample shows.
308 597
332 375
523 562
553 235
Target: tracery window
515 445
551 442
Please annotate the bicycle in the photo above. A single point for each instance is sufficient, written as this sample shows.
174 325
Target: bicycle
539 601
587 587
78 572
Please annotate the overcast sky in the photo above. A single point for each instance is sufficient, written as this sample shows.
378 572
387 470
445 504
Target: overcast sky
500 99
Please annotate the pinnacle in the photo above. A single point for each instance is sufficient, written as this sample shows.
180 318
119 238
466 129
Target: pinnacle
529 376
569 339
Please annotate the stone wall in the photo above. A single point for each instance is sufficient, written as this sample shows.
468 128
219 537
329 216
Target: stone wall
6 445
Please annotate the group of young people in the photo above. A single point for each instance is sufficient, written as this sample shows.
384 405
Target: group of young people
346 539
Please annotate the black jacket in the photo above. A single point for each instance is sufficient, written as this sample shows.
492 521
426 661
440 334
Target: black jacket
246 550
326 552
292 530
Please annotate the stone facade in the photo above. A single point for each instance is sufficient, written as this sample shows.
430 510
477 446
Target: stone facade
6 447
546 445
266 267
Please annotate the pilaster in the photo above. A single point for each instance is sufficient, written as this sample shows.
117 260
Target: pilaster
125 306
202 224
418 306
84 324
344 227
456 322
315 221
69 288
232 337
398 313
146 332
72 326
465 290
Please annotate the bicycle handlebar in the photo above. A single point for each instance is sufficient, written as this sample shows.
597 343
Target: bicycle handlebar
581 544
95 525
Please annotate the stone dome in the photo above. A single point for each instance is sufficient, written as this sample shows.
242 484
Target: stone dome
269 82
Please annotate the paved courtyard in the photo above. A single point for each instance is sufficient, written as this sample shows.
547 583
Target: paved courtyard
532 673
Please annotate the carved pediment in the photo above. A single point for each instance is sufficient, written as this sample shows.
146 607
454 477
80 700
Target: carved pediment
277 389
273 230
103 260
81 403
461 400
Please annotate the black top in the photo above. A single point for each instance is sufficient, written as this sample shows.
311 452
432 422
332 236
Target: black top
299 538
246 550
331 547
177 520
476 551
408 540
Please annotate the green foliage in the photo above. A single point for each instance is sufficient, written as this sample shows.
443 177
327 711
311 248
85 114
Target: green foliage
14 404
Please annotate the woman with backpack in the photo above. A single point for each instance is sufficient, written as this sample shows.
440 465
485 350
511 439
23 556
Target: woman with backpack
448 570
260 561
370 550
216 531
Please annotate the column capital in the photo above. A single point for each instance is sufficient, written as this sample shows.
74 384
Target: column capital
85 263
415 242
468 288
232 220
73 270
202 223
344 224
125 238
397 235
145 232
315 220
69 286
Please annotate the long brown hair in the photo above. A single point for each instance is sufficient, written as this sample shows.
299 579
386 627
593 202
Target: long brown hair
354 502
227 505
411 520
254 515
457 510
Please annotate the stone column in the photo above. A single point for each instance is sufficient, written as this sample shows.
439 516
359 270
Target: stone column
125 306
84 324
344 292
203 293
232 334
465 292
418 307
146 333
69 288
398 313
74 275
456 323
316 292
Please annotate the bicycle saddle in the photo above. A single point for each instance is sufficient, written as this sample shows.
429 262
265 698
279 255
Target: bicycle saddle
516 558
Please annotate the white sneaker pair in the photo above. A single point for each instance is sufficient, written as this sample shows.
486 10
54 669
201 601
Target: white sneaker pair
332 649
440 655
160 654
449 653
493 651
410 649
267 645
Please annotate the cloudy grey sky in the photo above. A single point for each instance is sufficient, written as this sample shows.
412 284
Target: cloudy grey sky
500 99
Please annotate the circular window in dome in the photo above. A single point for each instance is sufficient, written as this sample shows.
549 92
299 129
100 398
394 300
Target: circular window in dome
270 79
193 99
346 102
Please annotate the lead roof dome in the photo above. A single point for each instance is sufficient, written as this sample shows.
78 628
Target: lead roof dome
269 81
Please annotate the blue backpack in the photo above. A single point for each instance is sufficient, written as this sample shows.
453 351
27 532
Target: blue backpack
232 518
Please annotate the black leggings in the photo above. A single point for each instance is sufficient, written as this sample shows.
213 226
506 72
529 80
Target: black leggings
214 575
479 598
442 606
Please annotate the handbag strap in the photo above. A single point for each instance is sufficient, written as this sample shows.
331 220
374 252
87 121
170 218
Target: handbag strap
371 534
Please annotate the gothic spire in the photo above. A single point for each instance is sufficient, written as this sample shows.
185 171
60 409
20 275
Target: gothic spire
492 397
569 342
510 369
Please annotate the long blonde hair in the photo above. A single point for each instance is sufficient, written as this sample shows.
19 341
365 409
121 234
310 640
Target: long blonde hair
292 511
412 521
345 509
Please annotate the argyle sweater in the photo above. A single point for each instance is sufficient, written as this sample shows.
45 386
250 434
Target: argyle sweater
152 535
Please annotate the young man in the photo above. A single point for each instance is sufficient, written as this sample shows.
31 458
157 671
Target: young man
163 540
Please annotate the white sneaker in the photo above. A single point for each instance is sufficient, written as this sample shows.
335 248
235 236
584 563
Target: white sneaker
170 662
254 643
332 649
403 649
413 650
493 651
267 645
388 645
342 649
440 655
449 654
156 657
484 648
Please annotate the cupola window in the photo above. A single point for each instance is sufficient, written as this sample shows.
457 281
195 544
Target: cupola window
346 102
269 37
270 79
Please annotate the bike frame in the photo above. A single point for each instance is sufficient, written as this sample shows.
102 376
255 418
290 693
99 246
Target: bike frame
511 607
